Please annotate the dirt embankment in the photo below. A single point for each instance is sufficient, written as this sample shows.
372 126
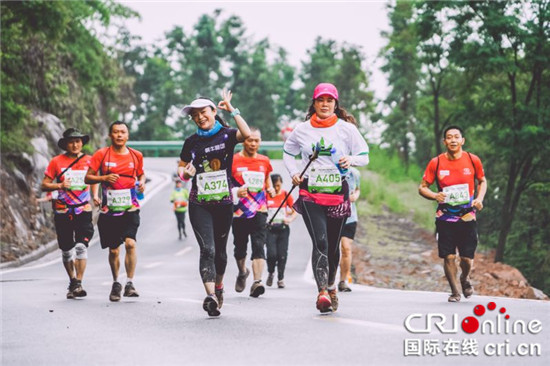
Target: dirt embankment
393 252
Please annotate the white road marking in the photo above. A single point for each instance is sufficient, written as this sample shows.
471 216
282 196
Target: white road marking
184 251
153 265
363 323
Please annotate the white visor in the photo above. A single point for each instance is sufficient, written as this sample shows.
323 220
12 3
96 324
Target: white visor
197 103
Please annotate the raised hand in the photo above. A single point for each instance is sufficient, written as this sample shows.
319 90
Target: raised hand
225 103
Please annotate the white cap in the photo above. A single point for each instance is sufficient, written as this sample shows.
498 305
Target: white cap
198 103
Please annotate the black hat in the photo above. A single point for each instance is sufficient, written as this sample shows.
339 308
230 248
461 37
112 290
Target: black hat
72 133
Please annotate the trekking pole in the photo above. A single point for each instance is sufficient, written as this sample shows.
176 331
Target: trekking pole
311 158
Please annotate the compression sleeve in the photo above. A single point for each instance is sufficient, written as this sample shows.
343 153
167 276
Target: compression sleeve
290 164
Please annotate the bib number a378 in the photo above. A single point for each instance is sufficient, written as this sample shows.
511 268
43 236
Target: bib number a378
212 186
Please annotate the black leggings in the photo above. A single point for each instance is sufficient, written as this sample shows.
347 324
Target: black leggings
277 249
211 225
325 236
180 216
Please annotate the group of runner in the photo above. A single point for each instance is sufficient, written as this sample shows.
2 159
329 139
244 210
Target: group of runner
238 192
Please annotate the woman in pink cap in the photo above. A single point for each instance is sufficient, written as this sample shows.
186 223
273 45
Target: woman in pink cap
324 194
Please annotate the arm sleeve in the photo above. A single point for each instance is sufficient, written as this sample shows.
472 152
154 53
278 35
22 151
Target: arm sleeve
290 164
359 160
429 174
359 148
140 170
185 154
480 173
51 170
96 161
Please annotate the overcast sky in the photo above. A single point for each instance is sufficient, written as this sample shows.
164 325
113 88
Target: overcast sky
291 25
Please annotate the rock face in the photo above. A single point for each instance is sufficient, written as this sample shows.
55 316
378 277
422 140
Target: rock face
25 222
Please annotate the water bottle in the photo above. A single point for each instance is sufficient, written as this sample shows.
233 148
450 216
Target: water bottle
139 194
335 156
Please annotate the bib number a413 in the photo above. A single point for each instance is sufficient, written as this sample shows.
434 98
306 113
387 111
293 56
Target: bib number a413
212 186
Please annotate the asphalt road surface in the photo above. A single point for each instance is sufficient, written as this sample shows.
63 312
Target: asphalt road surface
167 326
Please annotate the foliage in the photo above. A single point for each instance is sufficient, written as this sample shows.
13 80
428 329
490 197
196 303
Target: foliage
53 62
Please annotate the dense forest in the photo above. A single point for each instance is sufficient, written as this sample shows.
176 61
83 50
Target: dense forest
482 65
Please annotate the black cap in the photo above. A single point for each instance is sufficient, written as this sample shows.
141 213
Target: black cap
72 133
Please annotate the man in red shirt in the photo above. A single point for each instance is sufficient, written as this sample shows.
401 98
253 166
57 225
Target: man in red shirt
71 205
250 173
119 169
455 172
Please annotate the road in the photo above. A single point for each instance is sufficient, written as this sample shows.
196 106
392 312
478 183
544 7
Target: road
167 326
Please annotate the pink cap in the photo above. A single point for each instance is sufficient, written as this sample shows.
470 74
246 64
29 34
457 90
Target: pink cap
325 89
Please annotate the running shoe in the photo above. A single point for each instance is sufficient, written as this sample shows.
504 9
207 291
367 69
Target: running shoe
71 288
219 296
281 284
343 287
333 299
115 291
130 290
78 291
324 304
240 284
454 298
467 288
269 281
257 289
210 305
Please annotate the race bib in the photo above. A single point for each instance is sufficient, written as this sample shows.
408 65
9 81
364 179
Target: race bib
458 194
254 180
119 199
324 179
77 179
212 186
279 219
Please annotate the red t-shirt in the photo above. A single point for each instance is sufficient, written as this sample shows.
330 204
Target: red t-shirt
128 166
273 204
454 173
78 195
255 171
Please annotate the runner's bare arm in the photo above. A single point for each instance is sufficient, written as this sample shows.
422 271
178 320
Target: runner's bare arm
288 219
48 185
244 131
92 177
94 188
481 190
186 170
425 191
141 185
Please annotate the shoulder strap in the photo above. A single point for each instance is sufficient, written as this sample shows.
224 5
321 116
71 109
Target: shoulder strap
472 160
436 175
69 167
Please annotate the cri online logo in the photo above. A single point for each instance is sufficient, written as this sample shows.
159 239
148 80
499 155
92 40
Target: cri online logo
500 324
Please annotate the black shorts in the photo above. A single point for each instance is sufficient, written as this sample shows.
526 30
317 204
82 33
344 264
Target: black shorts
72 229
453 235
349 230
114 230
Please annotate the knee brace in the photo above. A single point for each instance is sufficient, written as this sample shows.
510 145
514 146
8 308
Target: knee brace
81 251
68 255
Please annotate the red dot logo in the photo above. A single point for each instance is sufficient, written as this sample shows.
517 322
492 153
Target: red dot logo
479 310
502 310
470 325
491 306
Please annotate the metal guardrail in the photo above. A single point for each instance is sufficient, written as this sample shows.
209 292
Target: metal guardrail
157 146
